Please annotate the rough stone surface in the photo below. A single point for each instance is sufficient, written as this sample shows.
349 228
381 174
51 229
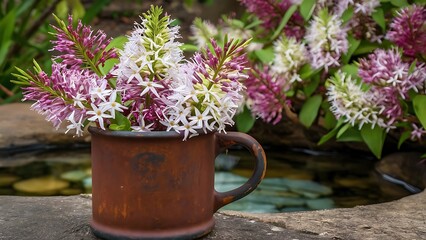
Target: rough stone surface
401 219
67 218
22 127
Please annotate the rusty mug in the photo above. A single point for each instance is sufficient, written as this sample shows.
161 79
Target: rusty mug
153 185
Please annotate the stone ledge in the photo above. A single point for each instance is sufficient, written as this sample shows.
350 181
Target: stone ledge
51 218
400 219
67 218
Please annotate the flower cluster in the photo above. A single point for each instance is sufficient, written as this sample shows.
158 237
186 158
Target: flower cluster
350 58
408 30
150 88
327 40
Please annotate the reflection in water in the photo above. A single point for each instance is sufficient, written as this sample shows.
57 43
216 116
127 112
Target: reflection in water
295 180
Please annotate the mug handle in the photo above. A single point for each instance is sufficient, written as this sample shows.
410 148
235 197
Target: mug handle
232 138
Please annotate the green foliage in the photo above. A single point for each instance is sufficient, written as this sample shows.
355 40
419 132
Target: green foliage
284 21
24 35
307 8
419 103
245 120
309 110
374 138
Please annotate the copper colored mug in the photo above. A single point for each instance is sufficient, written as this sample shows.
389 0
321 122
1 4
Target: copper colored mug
153 185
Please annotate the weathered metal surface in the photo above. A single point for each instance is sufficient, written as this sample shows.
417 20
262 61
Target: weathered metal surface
156 186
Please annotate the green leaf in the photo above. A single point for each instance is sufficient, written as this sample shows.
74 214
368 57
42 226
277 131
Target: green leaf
244 120
353 45
330 120
399 3
419 104
78 10
120 122
306 71
332 133
61 9
189 48
347 14
343 130
117 42
350 135
7 24
404 136
108 65
380 19
307 8
284 21
350 69
374 138
309 110
311 87
366 47
412 66
265 55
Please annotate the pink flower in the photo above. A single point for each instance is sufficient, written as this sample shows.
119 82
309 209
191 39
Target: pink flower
408 30
271 13
266 94
81 45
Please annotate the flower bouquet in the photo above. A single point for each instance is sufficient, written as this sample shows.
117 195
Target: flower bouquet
145 86
356 68
142 100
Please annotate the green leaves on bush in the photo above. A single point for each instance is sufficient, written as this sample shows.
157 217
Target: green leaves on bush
374 138
419 104
245 120
309 111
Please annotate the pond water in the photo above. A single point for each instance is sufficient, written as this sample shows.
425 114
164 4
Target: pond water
296 180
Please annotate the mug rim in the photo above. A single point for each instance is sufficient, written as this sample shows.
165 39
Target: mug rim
150 134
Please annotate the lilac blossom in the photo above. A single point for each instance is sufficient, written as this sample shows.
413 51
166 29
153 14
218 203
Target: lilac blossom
354 105
266 94
271 13
290 56
146 62
417 132
408 30
66 95
326 40
207 90
81 46
385 68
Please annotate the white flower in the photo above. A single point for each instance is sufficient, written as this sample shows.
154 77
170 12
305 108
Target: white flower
142 126
99 91
98 115
150 86
77 125
187 128
327 40
112 105
355 106
78 101
201 120
290 56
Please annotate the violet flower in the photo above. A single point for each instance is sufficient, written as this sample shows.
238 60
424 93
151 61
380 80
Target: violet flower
81 46
408 30
271 13
326 40
266 94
